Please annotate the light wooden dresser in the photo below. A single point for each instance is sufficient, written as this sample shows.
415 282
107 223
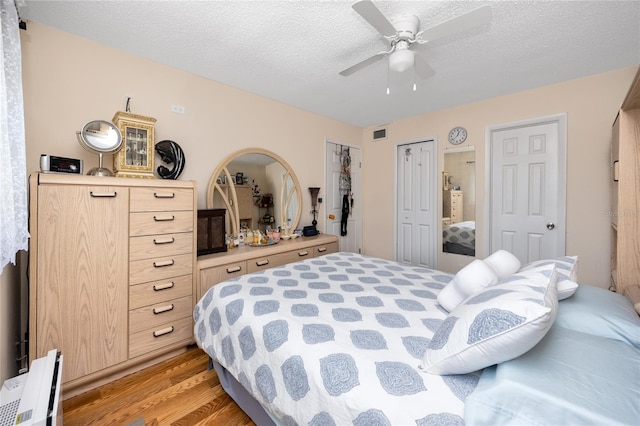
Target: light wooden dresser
625 188
452 206
217 267
112 263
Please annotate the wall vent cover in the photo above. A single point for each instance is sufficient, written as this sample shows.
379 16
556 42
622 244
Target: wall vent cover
379 134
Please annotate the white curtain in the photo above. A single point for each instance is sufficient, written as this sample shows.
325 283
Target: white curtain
14 233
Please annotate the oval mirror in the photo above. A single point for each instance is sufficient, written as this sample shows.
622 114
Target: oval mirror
101 137
258 189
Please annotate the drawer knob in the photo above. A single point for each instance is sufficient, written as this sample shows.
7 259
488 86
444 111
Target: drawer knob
167 308
162 332
322 249
262 262
159 241
160 287
163 218
166 195
303 253
234 269
103 194
163 263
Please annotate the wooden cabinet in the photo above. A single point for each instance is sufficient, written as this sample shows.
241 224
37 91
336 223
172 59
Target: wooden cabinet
452 206
79 287
111 273
136 157
625 209
215 268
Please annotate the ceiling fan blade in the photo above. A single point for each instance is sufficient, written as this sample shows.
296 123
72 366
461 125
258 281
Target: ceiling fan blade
423 69
475 18
373 16
360 65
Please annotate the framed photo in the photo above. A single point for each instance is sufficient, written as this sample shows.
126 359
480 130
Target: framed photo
239 178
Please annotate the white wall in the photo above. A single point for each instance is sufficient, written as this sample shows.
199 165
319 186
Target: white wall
69 81
591 104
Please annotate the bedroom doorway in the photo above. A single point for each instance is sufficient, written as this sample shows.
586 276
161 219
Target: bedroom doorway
527 187
416 210
339 157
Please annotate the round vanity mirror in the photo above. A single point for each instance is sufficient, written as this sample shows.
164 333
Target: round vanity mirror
101 137
259 191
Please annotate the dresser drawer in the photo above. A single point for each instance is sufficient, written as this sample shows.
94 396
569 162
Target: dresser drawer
159 268
152 223
212 276
325 249
153 316
160 199
260 263
160 245
161 336
152 292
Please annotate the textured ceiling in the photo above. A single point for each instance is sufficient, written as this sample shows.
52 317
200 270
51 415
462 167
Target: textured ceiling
292 51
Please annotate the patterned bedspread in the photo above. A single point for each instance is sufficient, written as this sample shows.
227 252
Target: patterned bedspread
334 340
463 233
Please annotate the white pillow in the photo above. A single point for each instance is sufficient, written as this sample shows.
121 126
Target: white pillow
566 288
504 263
470 279
497 324
567 270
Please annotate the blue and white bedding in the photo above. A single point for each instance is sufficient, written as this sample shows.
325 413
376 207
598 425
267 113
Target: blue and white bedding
462 233
334 340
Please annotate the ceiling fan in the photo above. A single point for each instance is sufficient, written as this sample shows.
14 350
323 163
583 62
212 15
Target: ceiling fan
405 37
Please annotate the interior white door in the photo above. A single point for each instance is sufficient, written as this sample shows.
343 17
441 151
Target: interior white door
416 204
528 192
352 241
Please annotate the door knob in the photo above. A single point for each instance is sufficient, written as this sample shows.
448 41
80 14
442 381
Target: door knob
550 225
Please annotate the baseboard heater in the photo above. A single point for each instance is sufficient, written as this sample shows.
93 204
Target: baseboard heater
33 398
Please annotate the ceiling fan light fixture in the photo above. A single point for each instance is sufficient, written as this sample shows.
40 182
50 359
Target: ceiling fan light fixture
401 60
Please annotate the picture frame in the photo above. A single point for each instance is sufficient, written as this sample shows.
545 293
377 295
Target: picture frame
239 178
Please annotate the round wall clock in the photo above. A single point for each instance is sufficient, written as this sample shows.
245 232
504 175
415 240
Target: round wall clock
457 135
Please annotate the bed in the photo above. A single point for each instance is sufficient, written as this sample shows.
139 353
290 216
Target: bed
460 238
350 339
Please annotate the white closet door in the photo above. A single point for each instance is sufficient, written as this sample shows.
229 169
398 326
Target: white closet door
416 204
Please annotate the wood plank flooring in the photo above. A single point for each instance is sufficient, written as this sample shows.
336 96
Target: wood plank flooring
179 391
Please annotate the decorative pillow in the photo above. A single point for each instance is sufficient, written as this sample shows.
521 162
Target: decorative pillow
497 324
600 312
504 263
566 289
566 268
469 280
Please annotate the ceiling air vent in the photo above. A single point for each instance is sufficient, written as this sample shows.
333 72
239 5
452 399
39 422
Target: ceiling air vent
379 134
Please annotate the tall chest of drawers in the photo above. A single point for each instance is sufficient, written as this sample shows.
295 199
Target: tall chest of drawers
452 206
111 273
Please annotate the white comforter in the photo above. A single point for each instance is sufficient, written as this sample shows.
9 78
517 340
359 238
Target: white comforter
334 340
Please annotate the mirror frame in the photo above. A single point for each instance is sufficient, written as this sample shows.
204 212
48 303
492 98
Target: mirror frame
86 143
232 206
445 184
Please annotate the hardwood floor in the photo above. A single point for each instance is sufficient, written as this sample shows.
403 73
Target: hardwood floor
179 391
